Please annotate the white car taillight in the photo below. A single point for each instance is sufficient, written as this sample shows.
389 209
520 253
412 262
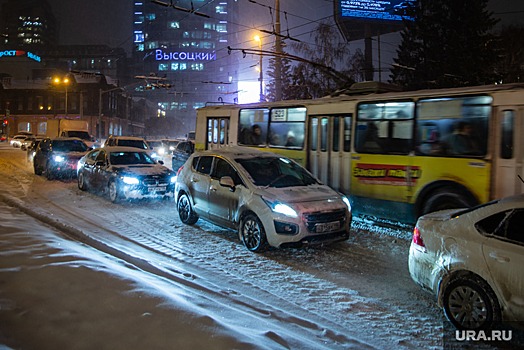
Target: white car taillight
417 237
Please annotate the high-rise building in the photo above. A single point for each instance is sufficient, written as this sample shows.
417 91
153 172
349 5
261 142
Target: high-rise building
181 53
27 23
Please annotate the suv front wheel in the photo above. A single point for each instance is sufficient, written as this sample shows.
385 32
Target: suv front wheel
252 233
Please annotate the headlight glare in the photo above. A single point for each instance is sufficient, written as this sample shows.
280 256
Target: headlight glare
281 208
130 180
346 201
58 158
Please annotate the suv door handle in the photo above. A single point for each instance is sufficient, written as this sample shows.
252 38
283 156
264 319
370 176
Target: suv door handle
499 258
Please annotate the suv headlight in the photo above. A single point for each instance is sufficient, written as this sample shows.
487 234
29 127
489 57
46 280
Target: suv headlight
346 201
281 208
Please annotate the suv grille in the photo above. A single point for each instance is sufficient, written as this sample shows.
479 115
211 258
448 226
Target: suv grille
155 181
313 219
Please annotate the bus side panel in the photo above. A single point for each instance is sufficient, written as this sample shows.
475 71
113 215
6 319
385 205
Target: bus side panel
472 174
401 179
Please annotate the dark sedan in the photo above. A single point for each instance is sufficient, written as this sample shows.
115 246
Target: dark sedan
58 157
181 153
124 173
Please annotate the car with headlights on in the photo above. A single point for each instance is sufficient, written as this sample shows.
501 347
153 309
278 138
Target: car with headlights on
269 199
31 149
472 261
17 140
124 173
58 157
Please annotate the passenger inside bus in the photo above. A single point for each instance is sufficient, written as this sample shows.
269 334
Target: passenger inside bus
461 141
252 136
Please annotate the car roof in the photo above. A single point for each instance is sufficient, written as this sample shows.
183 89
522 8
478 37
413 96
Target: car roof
511 200
63 138
128 138
239 152
124 149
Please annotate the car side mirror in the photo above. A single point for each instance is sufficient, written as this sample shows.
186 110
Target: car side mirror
227 181
161 162
100 163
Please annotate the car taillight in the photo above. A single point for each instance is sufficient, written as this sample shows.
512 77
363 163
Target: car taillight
179 170
417 237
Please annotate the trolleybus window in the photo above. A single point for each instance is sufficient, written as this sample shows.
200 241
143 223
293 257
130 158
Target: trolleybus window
385 127
453 127
508 125
252 126
287 127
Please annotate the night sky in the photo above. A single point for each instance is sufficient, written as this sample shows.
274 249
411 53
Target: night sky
110 22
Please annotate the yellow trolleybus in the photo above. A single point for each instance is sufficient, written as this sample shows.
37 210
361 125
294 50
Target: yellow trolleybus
397 155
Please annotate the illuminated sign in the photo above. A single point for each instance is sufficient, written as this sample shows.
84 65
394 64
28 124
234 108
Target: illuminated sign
15 53
161 55
34 57
381 10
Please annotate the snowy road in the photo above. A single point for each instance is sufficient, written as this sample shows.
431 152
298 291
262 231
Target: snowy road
355 294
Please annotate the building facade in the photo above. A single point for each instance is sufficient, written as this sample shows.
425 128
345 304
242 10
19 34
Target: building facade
29 23
40 79
182 52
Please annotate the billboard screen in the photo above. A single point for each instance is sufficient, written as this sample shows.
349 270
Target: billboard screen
376 10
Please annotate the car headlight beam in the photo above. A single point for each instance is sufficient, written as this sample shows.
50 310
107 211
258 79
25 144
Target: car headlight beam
58 158
346 201
281 208
130 180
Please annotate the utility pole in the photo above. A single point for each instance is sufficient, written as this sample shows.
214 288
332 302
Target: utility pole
278 50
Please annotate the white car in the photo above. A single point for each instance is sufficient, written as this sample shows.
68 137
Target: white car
473 261
17 140
269 199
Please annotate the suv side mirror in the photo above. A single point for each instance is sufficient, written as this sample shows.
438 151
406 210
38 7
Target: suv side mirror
227 181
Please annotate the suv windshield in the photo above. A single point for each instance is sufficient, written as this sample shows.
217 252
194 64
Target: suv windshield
132 143
126 158
69 146
276 172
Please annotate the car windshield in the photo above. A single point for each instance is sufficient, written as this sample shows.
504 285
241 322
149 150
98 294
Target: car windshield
132 143
276 172
84 135
130 158
69 146
155 143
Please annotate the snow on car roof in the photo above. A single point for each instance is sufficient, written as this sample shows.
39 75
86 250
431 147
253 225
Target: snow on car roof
124 149
128 138
239 151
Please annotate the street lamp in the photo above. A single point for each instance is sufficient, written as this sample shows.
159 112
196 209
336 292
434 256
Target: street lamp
63 81
261 74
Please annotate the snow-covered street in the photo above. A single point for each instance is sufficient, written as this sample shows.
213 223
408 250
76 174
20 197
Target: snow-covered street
79 272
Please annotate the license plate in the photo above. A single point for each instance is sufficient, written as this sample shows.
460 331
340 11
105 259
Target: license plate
327 227
157 189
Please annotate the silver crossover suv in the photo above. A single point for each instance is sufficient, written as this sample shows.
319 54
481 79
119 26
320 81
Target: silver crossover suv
269 199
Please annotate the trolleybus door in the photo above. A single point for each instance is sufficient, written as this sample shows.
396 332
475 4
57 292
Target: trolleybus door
217 132
329 150
508 152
